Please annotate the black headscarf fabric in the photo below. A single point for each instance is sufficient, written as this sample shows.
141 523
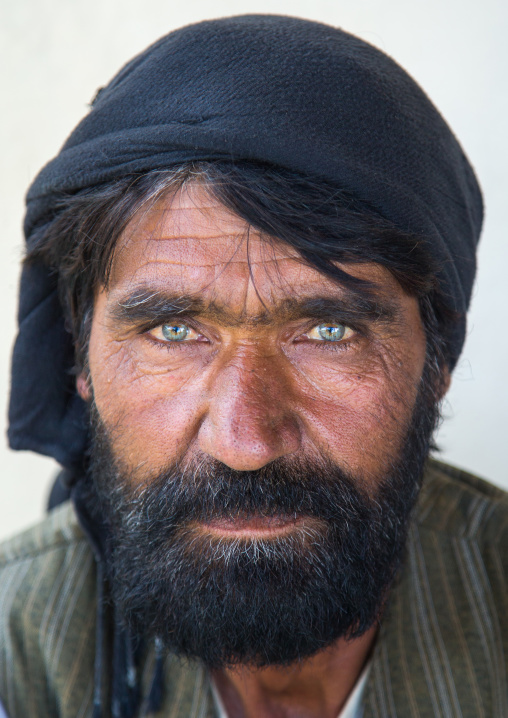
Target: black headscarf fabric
290 92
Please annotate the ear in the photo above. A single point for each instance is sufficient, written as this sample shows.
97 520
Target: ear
83 386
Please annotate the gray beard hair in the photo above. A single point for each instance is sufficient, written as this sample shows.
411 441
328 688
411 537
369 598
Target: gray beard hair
257 602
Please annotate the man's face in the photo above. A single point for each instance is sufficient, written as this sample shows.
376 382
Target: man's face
213 341
260 433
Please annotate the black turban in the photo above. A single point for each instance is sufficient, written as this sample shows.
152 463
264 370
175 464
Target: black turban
290 92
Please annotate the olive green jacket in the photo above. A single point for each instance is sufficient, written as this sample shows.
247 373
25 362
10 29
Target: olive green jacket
442 650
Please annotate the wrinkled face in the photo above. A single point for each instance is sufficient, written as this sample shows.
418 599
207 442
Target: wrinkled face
259 434
211 341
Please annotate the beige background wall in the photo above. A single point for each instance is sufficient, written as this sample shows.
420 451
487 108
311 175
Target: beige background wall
55 53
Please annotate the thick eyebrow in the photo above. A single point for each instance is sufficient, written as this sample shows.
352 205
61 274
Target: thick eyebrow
147 307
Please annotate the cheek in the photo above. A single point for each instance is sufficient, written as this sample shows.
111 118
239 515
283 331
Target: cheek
150 409
359 415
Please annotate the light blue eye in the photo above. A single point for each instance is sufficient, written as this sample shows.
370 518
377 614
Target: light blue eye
331 332
174 332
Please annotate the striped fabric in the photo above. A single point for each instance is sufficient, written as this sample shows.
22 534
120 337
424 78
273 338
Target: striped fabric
442 649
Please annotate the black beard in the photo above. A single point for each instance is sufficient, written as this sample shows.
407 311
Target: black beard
251 601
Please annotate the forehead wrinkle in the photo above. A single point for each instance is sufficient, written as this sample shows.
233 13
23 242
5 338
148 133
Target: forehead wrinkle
260 258
219 263
150 251
159 225
196 219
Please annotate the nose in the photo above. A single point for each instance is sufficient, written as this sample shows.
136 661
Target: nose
249 421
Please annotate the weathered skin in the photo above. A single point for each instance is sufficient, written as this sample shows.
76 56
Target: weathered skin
253 381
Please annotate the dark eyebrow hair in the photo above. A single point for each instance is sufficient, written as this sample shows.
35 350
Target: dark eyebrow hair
146 307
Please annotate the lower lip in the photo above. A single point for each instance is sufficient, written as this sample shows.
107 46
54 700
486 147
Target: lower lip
253 527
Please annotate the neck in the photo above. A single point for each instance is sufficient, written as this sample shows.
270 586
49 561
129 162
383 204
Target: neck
312 688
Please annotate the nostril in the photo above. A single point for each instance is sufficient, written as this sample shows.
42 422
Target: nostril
247 442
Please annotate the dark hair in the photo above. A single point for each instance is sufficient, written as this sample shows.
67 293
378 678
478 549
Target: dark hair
322 222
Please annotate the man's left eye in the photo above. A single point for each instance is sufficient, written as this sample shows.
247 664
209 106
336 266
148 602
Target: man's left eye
170 333
330 332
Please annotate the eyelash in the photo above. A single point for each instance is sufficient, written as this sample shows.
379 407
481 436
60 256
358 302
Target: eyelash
167 346
344 346
337 346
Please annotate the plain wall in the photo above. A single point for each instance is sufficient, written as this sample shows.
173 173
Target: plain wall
56 53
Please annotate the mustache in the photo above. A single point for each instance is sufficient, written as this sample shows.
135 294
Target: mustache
206 489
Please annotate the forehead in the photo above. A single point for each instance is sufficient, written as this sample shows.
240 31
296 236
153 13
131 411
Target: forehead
193 228
192 243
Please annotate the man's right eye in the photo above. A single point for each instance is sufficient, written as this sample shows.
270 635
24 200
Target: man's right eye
169 333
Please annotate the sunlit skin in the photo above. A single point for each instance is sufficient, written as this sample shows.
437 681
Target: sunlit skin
245 375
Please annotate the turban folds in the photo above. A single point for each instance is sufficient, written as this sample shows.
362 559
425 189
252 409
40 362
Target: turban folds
290 92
